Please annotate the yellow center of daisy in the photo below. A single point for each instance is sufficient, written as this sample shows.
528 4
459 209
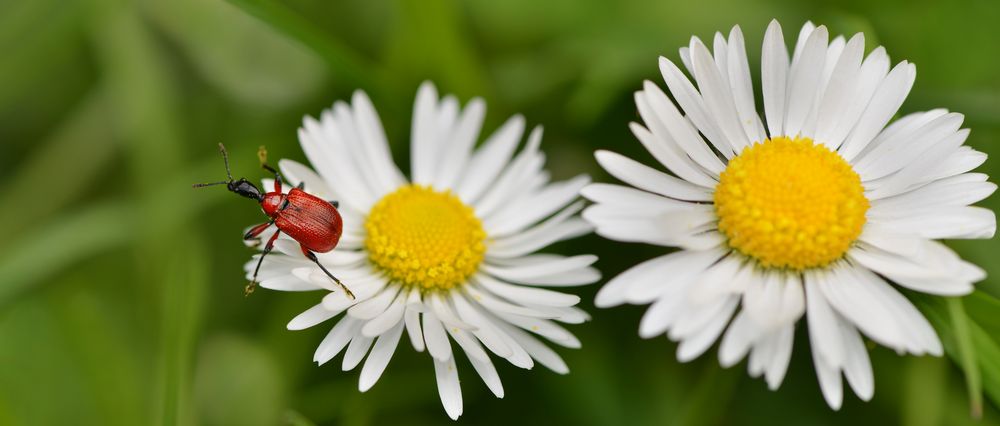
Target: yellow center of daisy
790 203
424 238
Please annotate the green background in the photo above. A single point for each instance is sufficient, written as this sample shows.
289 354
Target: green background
121 287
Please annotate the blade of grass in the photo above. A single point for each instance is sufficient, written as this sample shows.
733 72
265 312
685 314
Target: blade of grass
145 101
81 147
64 241
351 68
966 354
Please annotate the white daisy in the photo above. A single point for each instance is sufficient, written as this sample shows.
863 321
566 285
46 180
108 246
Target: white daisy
813 214
448 255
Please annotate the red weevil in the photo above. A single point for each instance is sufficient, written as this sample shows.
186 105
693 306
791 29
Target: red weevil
311 221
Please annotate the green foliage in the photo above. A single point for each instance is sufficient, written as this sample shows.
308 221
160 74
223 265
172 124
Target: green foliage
121 287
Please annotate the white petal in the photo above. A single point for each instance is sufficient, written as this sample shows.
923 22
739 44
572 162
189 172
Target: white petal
804 80
649 179
554 229
528 273
287 283
737 341
526 164
871 75
494 303
961 190
443 311
895 153
519 215
774 299
739 79
385 346
717 95
667 274
923 277
456 151
857 302
661 149
729 276
782 354
487 162
538 350
824 326
693 105
696 344
412 320
542 327
424 145
857 366
648 273
486 330
668 124
436 338
311 317
480 361
356 352
320 145
389 318
884 104
526 295
962 222
335 341
370 308
921 170
829 382
838 93
374 144
774 72
448 388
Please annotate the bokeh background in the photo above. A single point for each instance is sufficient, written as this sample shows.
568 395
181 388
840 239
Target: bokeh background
121 287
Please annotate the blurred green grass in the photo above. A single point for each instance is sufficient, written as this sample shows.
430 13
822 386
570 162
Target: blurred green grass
120 296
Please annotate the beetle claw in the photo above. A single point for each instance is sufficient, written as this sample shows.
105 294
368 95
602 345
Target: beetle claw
248 290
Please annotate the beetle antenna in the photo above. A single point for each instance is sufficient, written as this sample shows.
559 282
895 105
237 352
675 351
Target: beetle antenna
201 185
225 158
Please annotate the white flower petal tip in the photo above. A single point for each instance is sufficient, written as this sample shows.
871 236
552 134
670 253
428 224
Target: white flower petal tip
486 297
751 260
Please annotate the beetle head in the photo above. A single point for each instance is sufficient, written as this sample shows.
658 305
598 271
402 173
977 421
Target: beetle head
244 188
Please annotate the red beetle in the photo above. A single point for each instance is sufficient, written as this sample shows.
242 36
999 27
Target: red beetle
311 221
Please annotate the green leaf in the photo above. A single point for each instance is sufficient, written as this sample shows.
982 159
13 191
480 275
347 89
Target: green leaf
349 66
66 240
988 351
985 310
249 61
81 147
966 353
971 346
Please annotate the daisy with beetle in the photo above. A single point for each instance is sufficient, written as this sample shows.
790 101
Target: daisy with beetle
448 255
818 210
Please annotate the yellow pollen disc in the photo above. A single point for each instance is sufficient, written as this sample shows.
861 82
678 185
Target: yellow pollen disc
790 203
424 238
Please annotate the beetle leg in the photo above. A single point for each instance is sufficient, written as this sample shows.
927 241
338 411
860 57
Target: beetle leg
267 249
335 204
254 232
312 256
301 185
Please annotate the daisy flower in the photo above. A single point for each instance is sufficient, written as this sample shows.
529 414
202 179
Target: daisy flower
819 210
448 255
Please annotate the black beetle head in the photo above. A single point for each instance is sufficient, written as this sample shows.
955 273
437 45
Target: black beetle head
246 189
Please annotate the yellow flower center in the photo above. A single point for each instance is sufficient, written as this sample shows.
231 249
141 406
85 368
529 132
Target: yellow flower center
790 203
424 238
